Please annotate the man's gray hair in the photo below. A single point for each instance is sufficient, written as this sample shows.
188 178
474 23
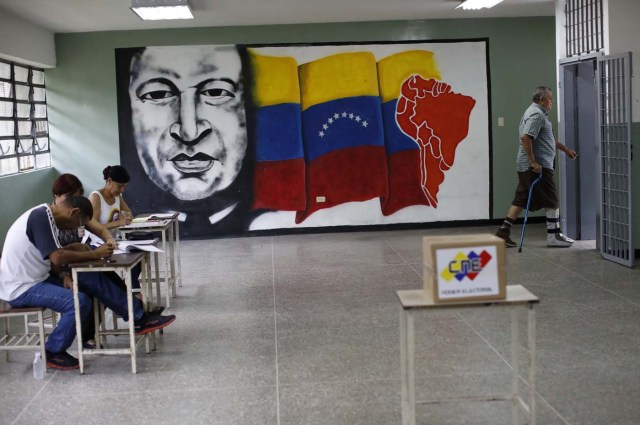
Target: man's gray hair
540 93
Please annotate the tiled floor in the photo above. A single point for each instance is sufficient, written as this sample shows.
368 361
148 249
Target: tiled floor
296 330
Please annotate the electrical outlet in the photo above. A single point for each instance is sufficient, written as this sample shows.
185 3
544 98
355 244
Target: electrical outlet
320 199
500 121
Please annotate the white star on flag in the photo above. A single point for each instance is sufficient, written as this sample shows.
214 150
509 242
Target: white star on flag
336 115
358 118
344 115
364 123
325 126
330 120
351 116
321 134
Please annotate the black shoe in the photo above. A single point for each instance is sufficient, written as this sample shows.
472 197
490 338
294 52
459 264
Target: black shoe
149 323
90 345
157 311
505 235
62 361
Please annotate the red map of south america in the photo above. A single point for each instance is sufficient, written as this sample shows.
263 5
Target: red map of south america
437 120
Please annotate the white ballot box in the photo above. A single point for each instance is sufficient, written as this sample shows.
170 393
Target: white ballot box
464 267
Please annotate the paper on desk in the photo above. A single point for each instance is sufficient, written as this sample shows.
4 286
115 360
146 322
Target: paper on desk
140 220
144 245
143 225
161 215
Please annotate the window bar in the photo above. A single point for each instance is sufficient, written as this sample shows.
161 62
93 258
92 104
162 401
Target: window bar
12 77
576 28
601 21
585 35
594 25
585 24
581 19
567 15
592 43
572 29
569 28
567 18
32 110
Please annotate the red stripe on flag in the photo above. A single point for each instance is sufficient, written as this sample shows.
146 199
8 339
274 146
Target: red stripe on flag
346 175
279 185
404 182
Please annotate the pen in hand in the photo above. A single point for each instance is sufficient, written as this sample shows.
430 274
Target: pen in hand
106 250
127 217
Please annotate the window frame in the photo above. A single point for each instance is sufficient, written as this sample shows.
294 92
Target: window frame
27 150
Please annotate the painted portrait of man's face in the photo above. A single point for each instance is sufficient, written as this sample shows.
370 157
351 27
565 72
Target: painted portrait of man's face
188 117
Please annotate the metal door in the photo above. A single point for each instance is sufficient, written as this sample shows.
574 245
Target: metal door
578 130
614 158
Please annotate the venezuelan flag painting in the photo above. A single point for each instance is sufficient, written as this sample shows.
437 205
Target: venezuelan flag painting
392 133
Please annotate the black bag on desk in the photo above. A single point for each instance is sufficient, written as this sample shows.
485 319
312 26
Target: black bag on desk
139 236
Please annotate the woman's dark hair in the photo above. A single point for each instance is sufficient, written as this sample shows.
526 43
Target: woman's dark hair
66 184
117 173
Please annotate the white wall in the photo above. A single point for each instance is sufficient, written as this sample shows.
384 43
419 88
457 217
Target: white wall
624 36
24 42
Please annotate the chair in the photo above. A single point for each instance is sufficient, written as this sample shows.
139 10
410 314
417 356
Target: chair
10 341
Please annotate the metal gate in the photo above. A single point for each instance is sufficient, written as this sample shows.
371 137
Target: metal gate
614 158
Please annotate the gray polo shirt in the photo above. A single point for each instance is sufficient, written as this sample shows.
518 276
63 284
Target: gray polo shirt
535 122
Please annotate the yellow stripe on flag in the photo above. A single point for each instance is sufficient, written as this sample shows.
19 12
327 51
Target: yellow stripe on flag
395 69
275 79
338 76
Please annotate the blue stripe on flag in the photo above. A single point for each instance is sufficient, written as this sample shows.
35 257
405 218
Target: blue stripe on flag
278 132
342 123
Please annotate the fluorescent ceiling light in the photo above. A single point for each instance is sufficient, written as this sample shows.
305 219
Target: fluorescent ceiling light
478 4
151 10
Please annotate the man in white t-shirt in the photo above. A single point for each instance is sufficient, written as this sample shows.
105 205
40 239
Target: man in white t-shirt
30 249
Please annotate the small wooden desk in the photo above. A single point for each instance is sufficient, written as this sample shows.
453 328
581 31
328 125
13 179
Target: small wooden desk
118 263
414 301
172 267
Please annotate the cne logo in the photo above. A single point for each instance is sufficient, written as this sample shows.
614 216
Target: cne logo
465 265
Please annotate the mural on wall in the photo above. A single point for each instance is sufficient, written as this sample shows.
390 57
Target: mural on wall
242 138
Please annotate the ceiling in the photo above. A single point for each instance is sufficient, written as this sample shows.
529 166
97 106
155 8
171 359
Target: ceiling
63 16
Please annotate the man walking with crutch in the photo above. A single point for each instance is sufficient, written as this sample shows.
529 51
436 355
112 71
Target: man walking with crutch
536 155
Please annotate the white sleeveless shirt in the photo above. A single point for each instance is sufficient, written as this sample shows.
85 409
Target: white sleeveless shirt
108 213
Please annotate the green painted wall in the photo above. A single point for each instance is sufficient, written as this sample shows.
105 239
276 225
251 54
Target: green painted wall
82 88
18 193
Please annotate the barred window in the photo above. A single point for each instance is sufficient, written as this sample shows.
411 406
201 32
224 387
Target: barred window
584 26
24 127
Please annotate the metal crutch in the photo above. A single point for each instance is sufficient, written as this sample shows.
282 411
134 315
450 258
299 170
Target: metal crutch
526 212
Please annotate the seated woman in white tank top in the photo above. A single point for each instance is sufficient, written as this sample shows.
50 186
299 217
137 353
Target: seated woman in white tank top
109 207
